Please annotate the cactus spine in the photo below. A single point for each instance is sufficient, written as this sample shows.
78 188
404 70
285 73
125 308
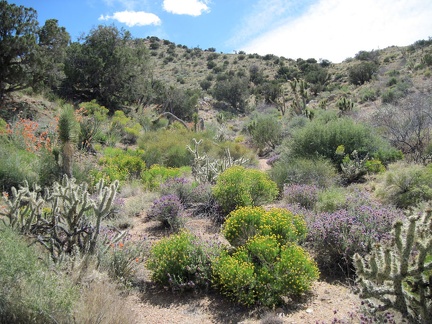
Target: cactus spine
400 276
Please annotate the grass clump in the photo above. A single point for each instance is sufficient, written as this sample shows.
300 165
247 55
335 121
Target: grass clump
29 291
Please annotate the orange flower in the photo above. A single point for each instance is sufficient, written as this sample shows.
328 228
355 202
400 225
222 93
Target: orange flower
121 245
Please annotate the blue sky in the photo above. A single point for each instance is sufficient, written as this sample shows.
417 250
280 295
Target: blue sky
321 29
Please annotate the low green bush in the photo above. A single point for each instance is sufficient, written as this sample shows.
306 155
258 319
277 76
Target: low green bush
321 138
30 292
263 271
167 147
317 172
246 222
238 186
118 164
156 175
182 262
405 185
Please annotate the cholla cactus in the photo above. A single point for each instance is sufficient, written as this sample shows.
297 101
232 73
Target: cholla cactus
205 170
23 208
400 276
65 219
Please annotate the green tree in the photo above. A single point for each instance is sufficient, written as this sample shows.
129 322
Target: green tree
234 91
362 72
108 66
266 131
18 55
53 42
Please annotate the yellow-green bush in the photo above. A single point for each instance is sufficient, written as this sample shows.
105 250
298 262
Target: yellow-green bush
118 164
181 261
238 186
263 271
246 222
152 178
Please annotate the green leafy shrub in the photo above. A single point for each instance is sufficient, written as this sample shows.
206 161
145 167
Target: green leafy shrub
30 292
238 186
362 72
153 177
182 262
321 138
289 170
244 223
92 108
331 199
266 131
167 147
406 185
17 166
118 164
127 128
263 271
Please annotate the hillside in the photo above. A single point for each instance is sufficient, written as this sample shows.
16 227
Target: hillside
401 70
253 156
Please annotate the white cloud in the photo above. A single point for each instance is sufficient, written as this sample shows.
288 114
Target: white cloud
264 15
133 18
186 7
337 29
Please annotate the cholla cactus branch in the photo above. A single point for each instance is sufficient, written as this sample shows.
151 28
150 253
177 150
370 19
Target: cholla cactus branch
205 170
399 276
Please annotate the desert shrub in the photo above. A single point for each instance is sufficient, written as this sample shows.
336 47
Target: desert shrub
17 165
302 194
331 199
169 211
167 147
123 258
266 131
182 262
406 185
263 271
362 72
238 186
318 172
118 164
153 177
367 93
335 236
244 223
182 187
126 127
29 291
233 91
321 138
